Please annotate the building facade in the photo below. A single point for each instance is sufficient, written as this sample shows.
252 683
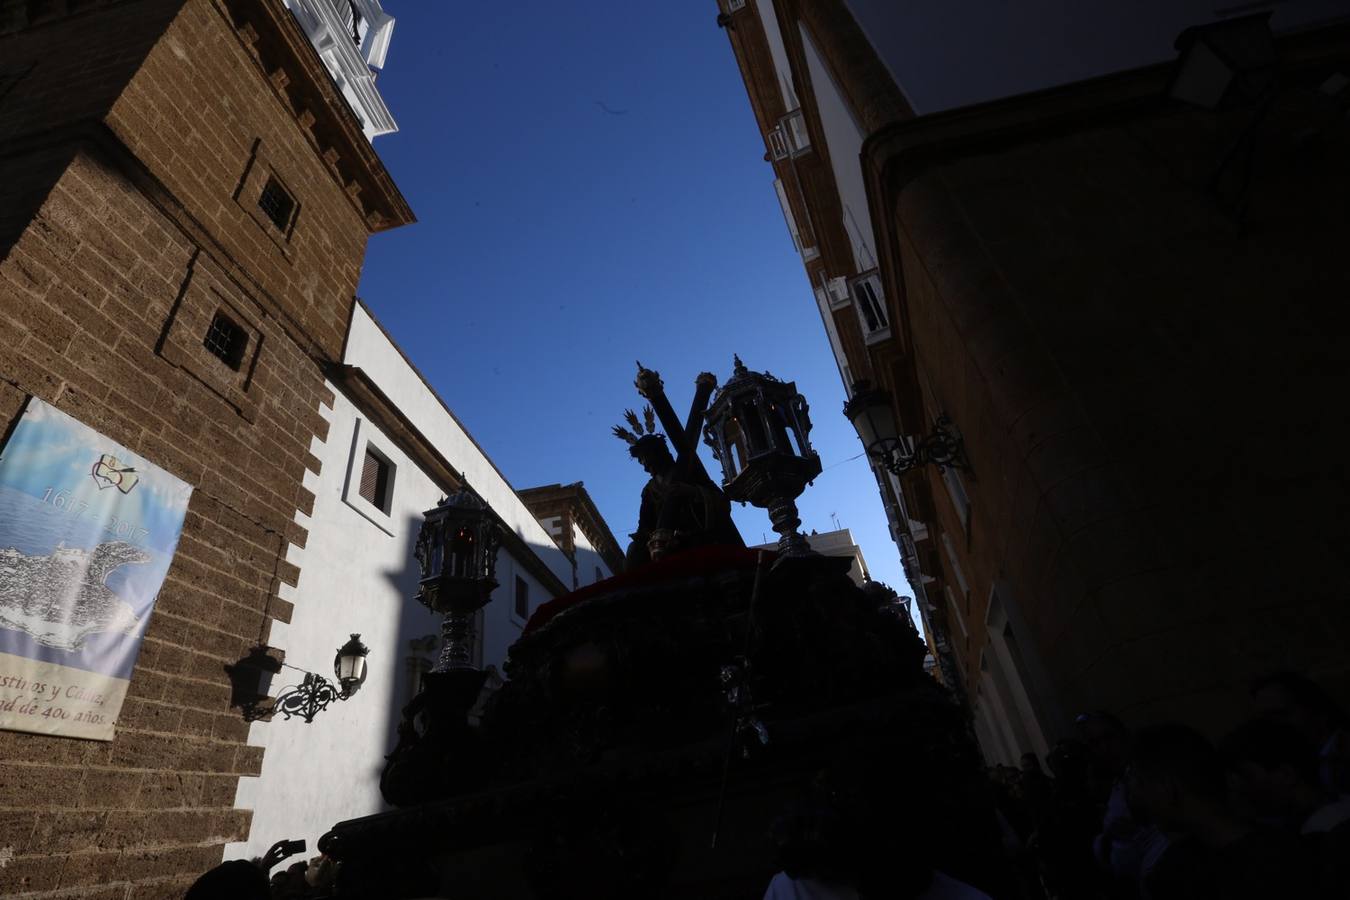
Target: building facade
1010 220
358 574
185 199
835 543
569 515
186 192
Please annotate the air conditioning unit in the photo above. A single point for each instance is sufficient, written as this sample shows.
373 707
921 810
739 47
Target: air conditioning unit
794 130
837 288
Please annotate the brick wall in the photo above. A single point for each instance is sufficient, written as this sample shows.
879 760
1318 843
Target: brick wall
144 193
1145 389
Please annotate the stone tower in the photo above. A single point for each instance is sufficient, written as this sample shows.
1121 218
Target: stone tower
186 191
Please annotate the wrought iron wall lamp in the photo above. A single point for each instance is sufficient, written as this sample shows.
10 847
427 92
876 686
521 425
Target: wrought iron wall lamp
872 415
251 679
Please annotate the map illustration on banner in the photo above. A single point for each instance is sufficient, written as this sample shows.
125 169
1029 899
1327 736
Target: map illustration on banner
87 532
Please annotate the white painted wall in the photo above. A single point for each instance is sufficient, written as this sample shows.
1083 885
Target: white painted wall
834 543
358 574
781 68
844 139
960 52
589 560
370 349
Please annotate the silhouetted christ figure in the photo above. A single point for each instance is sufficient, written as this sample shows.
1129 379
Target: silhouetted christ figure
681 507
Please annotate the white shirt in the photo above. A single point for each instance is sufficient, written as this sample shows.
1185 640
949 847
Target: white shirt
1327 817
943 887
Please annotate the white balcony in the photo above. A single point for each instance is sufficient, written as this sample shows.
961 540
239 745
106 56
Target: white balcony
352 38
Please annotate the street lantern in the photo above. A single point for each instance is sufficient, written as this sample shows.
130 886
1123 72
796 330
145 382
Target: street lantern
873 417
1230 58
315 692
457 554
349 665
758 428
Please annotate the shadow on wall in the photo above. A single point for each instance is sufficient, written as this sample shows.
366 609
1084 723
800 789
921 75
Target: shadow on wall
417 635
417 638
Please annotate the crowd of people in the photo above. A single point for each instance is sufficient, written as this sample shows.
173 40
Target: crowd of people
260 879
1163 813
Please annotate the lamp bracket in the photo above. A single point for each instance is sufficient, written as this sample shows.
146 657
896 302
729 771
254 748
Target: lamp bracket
309 698
942 447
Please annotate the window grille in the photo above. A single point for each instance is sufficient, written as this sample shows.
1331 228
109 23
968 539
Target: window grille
226 341
276 204
871 305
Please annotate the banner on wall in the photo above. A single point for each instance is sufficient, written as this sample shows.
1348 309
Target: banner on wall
87 532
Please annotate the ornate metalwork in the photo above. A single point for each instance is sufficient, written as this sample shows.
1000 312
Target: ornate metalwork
750 733
457 554
309 698
942 447
456 643
758 429
251 677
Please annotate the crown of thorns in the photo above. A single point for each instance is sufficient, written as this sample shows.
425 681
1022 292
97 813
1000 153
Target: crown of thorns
643 429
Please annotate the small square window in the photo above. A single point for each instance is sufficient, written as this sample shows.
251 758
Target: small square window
374 487
277 204
599 576
226 340
522 598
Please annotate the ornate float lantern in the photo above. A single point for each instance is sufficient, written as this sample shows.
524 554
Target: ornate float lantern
758 428
457 554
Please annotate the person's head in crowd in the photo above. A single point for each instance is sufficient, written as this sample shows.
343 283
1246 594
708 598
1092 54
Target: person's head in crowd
862 824
1176 779
1272 772
237 879
1068 761
1107 740
1030 764
1298 701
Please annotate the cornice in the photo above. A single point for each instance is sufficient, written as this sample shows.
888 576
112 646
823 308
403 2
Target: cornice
362 390
298 77
897 153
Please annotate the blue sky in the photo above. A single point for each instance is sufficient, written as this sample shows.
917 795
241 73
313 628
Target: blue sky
591 190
